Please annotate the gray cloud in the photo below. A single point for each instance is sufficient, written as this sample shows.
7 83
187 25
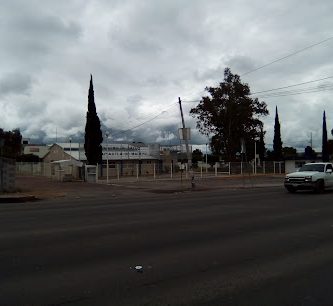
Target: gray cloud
145 54
14 83
34 34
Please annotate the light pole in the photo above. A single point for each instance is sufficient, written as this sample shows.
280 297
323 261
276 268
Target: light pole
206 159
70 147
107 156
140 160
255 156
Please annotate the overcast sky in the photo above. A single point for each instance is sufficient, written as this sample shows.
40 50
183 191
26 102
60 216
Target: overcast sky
145 54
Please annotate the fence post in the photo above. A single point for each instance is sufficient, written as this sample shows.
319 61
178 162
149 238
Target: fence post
263 166
137 172
154 171
171 170
215 169
201 170
118 172
241 167
229 168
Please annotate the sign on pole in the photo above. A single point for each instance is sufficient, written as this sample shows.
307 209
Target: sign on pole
184 133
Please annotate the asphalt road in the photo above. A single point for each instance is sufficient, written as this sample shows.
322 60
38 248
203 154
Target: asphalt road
230 247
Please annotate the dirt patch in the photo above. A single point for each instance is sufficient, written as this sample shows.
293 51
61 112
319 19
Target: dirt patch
44 188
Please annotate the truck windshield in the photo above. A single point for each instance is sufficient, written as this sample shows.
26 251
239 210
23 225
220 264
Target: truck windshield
314 167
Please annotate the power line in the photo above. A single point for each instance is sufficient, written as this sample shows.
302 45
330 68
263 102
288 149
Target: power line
322 87
277 60
301 90
287 56
294 85
286 93
191 101
296 92
147 121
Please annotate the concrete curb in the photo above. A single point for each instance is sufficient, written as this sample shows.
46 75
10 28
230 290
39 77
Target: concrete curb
16 198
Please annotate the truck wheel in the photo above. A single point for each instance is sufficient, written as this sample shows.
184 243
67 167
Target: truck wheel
319 187
291 189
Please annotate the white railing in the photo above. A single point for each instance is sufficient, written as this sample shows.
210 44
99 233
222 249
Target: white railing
154 171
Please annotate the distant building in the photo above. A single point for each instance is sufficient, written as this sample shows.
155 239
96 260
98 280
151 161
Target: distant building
124 159
115 151
174 154
74 150
55 153
38 150
25 141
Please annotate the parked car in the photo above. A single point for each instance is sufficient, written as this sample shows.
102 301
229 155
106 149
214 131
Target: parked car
311 176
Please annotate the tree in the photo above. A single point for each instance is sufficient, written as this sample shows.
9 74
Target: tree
216 145
196 156
270 155
229 113
289 152
93 134
28 158
212 159
324 150
330 147
277 142
309 153
10 143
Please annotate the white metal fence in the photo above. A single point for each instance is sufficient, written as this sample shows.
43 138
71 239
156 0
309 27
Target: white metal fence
157 170
236 168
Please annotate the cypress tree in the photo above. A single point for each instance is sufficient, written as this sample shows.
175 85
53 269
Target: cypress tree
277 142
93 134
324 150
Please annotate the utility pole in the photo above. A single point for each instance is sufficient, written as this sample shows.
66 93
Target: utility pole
70 147
107 156
255 157
189 162
206 159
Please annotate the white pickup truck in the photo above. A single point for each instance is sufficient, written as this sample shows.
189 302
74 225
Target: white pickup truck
312 176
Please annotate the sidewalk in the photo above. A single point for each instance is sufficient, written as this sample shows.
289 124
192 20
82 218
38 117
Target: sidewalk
33 188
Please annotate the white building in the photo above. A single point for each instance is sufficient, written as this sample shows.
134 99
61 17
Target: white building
115 151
